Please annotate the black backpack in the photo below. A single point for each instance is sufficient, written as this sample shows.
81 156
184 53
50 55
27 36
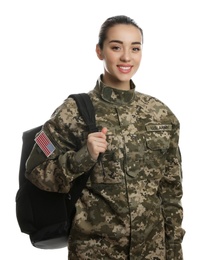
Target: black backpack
46 216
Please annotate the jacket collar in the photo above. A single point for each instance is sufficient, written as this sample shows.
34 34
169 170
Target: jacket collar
114 95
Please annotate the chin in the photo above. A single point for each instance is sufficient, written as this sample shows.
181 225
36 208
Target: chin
124 78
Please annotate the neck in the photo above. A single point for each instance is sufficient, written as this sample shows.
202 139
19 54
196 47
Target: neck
122 85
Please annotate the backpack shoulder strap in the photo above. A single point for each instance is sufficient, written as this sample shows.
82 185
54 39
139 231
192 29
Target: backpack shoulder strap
86 110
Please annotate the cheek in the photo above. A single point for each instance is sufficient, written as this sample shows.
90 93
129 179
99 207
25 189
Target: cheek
109 63
111 57
138 61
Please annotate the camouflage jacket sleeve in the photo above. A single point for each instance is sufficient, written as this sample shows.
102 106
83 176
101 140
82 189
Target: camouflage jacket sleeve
67 132
170 192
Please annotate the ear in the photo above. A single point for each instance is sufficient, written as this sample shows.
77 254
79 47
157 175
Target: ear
99 52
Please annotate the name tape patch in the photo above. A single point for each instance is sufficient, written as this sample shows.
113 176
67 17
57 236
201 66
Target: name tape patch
159 127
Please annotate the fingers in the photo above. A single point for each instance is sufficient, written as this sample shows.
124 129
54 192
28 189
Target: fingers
96 143
104 130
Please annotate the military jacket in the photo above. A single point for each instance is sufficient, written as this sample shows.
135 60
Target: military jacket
131 207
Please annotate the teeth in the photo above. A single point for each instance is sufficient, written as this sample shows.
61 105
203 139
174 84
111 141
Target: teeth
125 68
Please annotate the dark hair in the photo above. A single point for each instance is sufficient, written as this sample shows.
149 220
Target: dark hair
110 22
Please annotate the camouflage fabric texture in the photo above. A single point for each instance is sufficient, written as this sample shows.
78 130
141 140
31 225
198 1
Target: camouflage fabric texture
131 208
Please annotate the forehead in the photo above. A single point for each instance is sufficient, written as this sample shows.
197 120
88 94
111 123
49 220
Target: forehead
124 32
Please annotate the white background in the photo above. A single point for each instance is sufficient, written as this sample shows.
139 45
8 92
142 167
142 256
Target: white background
47 51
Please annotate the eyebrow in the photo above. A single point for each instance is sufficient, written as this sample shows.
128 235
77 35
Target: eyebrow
117 41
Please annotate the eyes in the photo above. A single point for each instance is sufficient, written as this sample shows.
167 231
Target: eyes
118 48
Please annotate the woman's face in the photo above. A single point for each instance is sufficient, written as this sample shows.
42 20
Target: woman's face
121 55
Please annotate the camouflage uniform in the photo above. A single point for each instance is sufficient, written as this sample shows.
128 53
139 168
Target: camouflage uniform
131 206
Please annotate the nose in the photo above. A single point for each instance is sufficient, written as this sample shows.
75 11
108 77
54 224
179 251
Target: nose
126 56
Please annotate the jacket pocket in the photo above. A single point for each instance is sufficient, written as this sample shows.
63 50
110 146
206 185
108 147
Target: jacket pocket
157 144
157 141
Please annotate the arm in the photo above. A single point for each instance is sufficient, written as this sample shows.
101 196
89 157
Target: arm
73 154
70 158
56 172
171 193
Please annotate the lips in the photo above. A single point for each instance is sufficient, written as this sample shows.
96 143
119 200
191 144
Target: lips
124 69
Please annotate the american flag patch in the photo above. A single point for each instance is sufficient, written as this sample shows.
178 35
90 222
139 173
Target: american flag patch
45 144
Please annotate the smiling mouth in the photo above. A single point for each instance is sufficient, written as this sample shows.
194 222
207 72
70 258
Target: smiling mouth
124 69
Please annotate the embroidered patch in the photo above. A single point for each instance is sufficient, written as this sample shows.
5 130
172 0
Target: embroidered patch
159 127
45 144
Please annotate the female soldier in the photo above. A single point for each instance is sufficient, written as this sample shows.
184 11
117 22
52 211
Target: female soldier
131 207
